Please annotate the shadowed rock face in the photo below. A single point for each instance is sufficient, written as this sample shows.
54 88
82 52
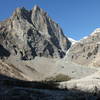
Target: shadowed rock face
33 33
87 51
4 52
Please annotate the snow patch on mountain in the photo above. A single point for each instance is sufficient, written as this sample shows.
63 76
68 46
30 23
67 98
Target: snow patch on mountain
97 30
72 40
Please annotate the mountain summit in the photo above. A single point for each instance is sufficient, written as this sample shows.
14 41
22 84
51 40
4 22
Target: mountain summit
28 34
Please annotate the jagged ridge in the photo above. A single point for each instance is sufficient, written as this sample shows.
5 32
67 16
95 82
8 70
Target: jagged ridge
33 33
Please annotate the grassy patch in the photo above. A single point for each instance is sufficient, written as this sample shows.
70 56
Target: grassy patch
59 78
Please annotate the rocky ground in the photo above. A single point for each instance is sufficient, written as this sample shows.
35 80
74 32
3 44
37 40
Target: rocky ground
41 68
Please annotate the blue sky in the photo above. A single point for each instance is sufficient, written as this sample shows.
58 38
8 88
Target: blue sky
78 18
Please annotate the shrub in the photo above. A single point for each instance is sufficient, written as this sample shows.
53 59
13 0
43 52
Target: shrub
59 78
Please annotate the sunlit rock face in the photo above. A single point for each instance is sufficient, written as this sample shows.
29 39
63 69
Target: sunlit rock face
87 51
33 33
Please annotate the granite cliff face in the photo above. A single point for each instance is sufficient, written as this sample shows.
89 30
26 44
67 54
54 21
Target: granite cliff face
28 34
87 51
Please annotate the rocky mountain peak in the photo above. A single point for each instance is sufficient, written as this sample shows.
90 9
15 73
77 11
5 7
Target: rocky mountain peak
37 8
19 12
33 33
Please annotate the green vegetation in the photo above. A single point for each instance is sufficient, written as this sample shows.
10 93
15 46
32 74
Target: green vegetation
59 78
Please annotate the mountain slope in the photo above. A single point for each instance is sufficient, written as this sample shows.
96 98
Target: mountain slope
28 34
10 70
86 51
72 40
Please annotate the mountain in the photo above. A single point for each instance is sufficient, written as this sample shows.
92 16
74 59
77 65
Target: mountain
28 34
31 43
87 50
72 40
38 62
